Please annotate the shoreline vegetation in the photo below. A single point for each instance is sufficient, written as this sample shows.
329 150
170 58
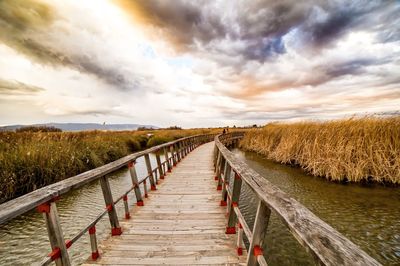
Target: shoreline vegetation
359 150
31 160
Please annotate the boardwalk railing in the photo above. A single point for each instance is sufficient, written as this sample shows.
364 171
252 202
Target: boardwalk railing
324 243
44 199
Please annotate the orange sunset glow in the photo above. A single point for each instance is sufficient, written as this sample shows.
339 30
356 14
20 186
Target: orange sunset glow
198 63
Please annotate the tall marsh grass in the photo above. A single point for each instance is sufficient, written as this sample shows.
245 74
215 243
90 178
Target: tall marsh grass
355 150
32 160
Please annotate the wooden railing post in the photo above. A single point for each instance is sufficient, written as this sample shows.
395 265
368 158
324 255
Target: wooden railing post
159 165
239 242
181 149
167 159
59 252
177 152
155 175
259 230
227 176
221 170
192 142
176 145
171 148
112 213
126 206
217 160
219 166
234 202
215 155
135 182
150 172
145 188
93 242
187 147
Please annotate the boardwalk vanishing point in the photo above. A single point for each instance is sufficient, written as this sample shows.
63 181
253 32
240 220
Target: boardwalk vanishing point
190 214
181 222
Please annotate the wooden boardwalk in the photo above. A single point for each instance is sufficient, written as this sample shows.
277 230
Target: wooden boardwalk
180 224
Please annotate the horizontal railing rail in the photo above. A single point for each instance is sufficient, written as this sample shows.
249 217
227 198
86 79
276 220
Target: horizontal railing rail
44 199
323 242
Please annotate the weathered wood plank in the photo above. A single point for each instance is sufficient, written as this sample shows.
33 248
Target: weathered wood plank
193 260
181 222
138 221
216 264
162 245
175 232
168 201
181 216
128 248
167 238
144 240
160 194
183 207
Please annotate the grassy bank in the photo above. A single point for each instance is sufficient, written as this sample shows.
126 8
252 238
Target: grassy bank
33 160
355 150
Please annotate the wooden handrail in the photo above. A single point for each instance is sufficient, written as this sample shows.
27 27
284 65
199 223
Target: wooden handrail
44 199
23 204
323 242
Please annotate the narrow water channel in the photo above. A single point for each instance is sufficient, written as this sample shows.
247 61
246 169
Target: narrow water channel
24 240
367 215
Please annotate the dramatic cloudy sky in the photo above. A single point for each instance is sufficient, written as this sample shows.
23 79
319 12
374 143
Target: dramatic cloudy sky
197 63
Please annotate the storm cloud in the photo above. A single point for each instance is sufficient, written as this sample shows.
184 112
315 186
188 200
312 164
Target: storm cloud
8 87
31 28
239 34
252 29
201 61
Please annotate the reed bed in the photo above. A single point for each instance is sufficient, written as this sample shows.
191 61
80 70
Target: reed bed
352 150
32 160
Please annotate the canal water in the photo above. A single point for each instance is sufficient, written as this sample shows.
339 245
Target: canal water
24 240
367 215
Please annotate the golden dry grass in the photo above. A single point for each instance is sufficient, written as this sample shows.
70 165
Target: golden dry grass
33 160
355 150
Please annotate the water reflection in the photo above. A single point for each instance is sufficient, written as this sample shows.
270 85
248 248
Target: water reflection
367 215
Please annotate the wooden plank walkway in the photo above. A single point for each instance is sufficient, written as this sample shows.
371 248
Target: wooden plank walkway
180 224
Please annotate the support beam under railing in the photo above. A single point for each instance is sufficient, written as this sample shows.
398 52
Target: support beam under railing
59 253
112 213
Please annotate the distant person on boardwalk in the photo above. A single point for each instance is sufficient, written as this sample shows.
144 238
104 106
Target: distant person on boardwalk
223 131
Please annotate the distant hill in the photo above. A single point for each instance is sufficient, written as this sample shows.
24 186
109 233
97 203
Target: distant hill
81 126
